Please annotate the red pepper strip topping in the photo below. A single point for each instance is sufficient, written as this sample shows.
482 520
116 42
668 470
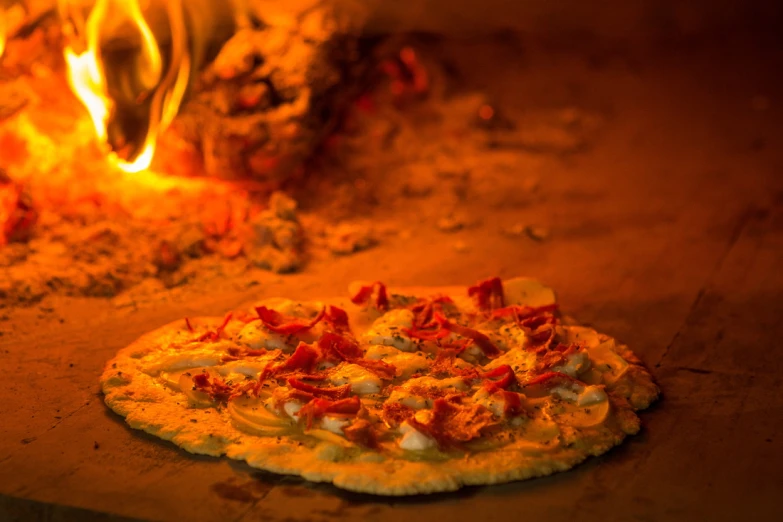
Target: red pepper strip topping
299 395
337 392
303 358
217 333
384 370
507 378
337 318
453 423
366 293
512 403
423 309
336 347
425 335
481 340
523 312
217 389
188 325
362 432
444 363
546 381
317 408
488 294
282 324
309 376
395 413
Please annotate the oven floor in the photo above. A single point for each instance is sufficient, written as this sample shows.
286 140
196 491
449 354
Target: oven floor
667 233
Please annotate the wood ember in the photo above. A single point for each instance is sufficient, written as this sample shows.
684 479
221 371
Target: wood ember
101 255
17 213
274 91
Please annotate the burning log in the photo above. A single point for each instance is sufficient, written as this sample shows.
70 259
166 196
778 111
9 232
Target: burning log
274 91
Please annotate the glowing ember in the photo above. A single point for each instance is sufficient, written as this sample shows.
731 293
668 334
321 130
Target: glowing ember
130 102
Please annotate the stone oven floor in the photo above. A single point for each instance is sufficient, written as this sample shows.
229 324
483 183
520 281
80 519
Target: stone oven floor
644 187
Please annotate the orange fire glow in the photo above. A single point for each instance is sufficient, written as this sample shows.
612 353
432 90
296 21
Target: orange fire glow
152 85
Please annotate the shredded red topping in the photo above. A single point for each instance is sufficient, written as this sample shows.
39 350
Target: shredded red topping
444 363
506 378
481 340
512 403
554 356
426 335
376 290
395 413
382 369
452 423
216 388
336 392
336 347
317 408
522 312
337 319
339 348
425 307
303 358
488 294
362 432
283 324
215 335
188 325
546 381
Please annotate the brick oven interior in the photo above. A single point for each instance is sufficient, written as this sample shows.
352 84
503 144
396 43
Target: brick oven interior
629 156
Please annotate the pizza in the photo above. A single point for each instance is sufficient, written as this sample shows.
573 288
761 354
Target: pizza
389 392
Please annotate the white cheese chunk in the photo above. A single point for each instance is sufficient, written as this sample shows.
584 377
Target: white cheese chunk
520 360
576 364
592 395
414 440
292 409
565 393
334 424
362 380
205 356
457 383
580 334
406 363
387 330
494 403
250 368
406 399
511 336
255 336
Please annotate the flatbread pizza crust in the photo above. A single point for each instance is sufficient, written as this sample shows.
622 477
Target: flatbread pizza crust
156 409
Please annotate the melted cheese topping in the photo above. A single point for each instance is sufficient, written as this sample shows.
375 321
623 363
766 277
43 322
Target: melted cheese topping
414 440
387 330
255 336
362 381
404 394
519 360
577 363
406 363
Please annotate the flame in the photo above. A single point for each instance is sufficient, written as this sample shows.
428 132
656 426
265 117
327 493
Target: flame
152 86
2 31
